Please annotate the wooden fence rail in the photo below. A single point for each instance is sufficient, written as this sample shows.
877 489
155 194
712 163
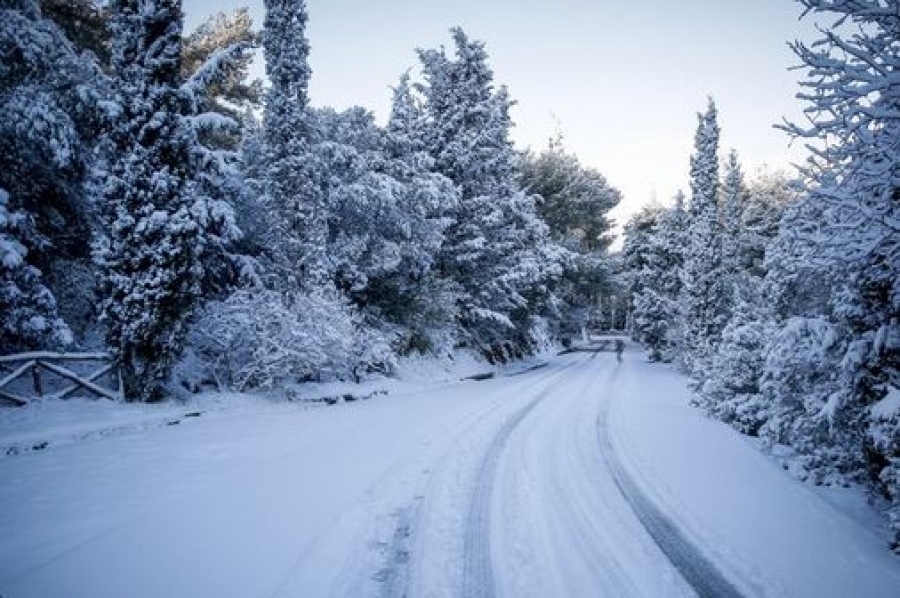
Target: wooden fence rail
38 362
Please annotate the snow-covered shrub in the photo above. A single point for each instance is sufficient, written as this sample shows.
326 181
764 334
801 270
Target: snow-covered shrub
262 339
372 353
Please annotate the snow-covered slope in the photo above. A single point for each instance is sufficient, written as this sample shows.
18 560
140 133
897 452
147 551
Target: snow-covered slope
506 487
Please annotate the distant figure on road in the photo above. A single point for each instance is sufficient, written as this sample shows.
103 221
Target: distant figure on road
620 346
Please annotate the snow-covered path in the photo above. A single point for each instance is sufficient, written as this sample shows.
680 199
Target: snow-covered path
586 477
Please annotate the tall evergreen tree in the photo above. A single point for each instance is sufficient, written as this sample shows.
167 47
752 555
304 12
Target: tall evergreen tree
640 231
704 299
158 222
656 281
497 250
294 178
734 199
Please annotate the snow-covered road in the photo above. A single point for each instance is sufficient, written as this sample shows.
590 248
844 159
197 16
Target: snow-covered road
583 478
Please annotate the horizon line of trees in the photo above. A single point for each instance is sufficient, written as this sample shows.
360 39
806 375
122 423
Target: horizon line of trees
145 209
781 298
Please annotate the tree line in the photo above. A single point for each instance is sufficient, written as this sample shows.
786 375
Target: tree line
780 297
204 227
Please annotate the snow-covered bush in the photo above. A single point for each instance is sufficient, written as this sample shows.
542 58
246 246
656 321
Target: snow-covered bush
262 339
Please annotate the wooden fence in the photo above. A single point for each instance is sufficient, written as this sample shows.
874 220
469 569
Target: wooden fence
50 370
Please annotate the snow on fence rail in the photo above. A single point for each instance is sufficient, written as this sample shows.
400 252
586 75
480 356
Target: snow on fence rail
13 390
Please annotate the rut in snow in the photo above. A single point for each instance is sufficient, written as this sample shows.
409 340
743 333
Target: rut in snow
698 571
478 577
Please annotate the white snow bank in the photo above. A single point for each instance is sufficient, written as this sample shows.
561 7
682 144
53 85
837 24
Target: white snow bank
776 536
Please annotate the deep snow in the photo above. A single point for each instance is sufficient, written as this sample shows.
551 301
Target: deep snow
501 487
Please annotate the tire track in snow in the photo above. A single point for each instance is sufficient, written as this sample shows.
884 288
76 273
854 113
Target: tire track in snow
401 577
698 571
478 576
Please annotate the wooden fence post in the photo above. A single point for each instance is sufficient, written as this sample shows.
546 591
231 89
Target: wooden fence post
36 379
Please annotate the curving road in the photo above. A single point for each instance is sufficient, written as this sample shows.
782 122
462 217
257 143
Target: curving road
550 512
509 487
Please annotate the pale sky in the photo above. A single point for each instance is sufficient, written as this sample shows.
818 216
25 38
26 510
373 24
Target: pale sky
624 78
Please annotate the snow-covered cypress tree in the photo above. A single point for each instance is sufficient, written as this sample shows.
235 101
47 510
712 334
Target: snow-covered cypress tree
673 230
638 262
768 196
704 298
734 199
158 221
294 179
732 388
411 294
656 284
720 384
406 123
653 256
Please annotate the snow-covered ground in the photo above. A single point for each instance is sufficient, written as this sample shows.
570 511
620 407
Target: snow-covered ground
585 477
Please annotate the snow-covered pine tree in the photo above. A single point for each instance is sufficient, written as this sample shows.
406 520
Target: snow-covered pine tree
853 104
672 233
152 193
413 296
704 297
231 93
386 213
294 181
768 196
406 126
722 362
574 201
497 250
732 389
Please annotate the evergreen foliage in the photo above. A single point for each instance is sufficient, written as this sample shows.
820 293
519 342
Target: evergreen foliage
704 294
497 251
157 219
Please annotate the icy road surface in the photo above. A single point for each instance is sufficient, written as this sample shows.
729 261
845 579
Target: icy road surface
583 478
